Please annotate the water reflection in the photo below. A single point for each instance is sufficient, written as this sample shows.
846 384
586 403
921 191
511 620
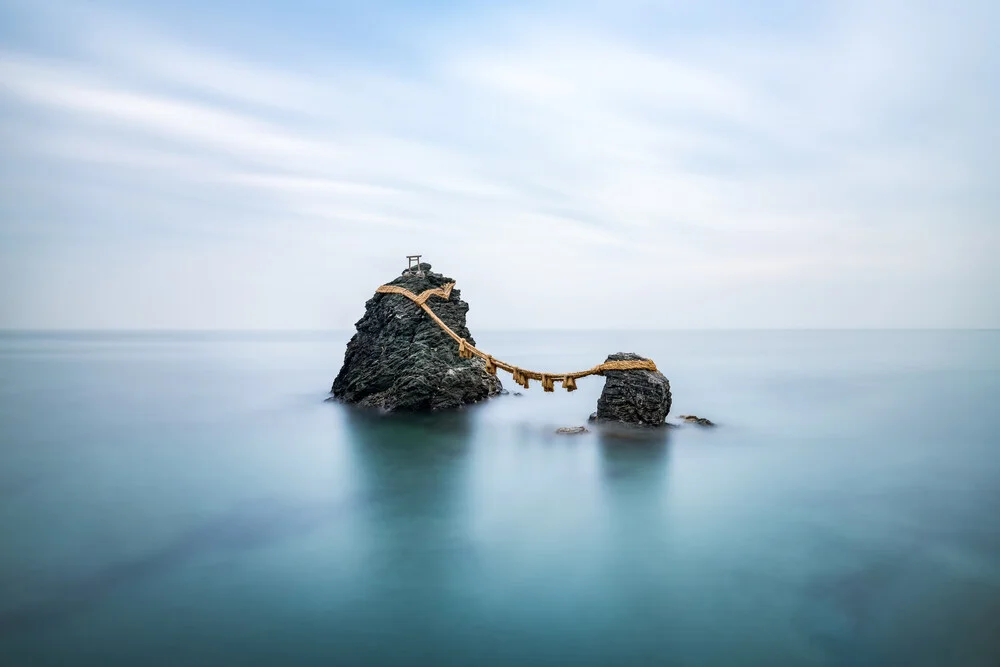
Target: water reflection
634 466
415 468
628 451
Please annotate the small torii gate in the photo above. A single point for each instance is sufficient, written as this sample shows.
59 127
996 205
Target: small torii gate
413 261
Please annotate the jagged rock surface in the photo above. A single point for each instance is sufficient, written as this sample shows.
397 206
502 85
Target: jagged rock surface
634 397
400 359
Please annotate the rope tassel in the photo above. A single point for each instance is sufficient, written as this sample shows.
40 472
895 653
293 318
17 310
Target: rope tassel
463 350
547 383
491 366
569 383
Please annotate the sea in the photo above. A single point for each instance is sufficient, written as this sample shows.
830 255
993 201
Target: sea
186 498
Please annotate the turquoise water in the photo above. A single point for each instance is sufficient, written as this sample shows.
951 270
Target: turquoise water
191 500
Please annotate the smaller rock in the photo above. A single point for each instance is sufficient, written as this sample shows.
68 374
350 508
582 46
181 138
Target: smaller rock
592 417
517 393
700 421
503 392
572 430
638 396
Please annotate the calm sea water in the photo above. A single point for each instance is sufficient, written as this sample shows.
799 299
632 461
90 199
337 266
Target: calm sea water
191 500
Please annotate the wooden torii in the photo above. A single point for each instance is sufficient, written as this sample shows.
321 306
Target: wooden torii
413 262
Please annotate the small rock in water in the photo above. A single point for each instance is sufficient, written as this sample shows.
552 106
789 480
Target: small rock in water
572 430
700 421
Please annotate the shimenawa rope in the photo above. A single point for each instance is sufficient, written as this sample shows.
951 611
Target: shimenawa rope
521 376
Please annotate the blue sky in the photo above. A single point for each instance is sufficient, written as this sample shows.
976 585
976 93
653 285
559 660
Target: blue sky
630 164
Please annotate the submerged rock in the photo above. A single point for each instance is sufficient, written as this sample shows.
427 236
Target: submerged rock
572 430
400 359
633 396
700 421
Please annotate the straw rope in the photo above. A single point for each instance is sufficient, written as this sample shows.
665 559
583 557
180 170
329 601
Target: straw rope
521 376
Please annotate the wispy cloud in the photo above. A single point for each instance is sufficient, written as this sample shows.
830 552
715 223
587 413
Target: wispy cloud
793 165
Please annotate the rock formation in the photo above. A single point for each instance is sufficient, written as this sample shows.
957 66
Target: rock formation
399 359
633 396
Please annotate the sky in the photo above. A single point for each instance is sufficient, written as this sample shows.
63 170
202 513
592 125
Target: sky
597 165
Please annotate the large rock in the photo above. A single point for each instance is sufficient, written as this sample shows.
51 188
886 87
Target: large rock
400 359
634 397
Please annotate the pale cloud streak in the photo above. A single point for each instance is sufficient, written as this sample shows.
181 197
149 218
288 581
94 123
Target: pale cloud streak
769 179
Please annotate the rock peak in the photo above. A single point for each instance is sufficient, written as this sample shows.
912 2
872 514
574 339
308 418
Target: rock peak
422 266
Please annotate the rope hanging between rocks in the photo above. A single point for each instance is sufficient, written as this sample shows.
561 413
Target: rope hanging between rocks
521 376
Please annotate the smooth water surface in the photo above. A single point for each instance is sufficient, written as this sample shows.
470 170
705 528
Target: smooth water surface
191 500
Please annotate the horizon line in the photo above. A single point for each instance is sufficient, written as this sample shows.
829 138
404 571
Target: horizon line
93 331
